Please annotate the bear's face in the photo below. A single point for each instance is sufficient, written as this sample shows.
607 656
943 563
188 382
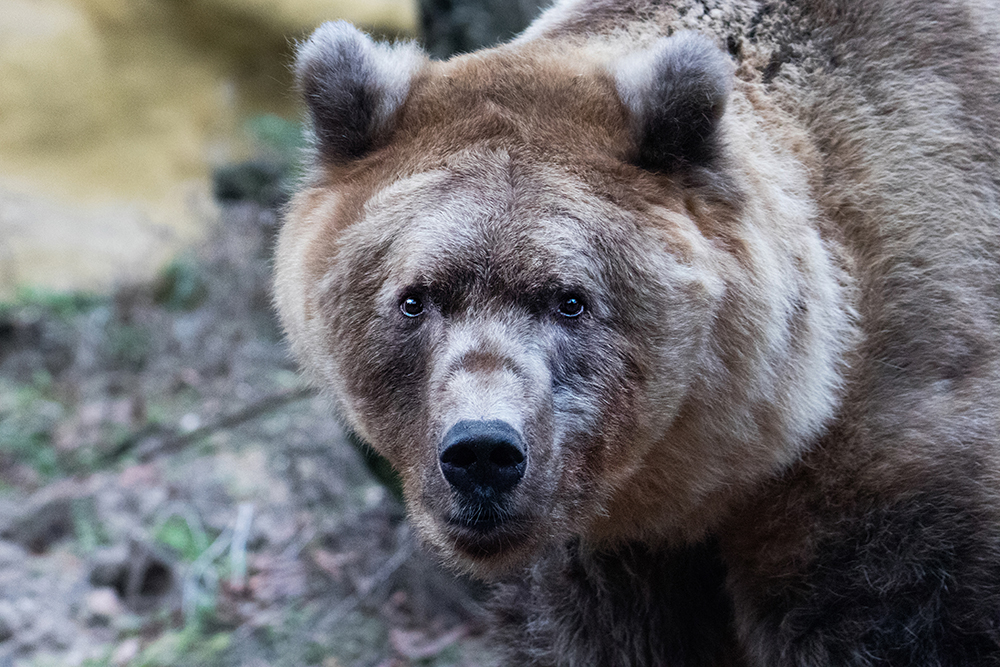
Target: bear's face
510 293
449 306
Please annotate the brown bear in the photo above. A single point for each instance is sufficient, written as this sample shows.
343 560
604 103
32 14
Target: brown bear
679 320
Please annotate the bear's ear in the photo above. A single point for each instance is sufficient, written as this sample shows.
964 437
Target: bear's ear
353 87
676 92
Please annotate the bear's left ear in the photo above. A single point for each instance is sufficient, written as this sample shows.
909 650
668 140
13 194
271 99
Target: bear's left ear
353 87
676 92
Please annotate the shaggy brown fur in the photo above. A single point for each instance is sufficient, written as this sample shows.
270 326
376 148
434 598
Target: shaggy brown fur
680 318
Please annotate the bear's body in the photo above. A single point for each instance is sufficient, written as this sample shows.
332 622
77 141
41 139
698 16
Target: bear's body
682 320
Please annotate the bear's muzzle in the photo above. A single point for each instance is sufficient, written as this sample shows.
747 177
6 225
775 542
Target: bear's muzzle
482 460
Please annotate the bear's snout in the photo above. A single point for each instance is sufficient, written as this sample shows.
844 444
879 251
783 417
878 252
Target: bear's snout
482 459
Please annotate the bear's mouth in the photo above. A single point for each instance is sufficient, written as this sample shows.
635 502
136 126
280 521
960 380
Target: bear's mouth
487 534
482 521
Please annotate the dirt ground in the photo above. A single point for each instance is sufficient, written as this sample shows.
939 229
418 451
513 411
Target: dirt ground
171 494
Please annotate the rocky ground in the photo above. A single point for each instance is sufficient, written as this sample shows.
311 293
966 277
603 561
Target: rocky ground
172 495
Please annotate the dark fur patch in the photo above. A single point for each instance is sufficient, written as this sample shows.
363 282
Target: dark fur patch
635 606
349 94
678 111
899 584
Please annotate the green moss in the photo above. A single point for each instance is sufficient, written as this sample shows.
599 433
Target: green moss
28 417
185 648
177 534
52 302
90 532
180 285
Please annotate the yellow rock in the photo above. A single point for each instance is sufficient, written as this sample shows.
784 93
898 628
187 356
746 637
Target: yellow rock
114 112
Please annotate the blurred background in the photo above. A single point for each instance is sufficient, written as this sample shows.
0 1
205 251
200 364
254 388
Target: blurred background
171 494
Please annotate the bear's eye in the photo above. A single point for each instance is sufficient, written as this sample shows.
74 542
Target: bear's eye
571 306
411 306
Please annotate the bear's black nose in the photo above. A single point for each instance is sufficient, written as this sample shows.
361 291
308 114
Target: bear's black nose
482 459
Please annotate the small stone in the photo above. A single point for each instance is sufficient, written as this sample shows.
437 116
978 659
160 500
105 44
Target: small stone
140 476
101 606
374 495
126 652
189 422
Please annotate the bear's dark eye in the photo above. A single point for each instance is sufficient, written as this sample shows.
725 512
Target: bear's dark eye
411 306
571 306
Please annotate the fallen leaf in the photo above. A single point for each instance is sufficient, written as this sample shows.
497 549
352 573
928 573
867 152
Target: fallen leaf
415 645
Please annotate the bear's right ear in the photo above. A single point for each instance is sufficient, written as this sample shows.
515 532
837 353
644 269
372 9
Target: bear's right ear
676 93
353 87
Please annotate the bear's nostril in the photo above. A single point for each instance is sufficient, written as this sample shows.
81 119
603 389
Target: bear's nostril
459 455
482 458
506 455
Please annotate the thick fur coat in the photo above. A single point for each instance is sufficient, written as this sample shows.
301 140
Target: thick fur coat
680 321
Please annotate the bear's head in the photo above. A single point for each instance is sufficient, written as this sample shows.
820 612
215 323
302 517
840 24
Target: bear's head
543 283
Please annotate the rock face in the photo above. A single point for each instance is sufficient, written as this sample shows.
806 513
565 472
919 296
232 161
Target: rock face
115 111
